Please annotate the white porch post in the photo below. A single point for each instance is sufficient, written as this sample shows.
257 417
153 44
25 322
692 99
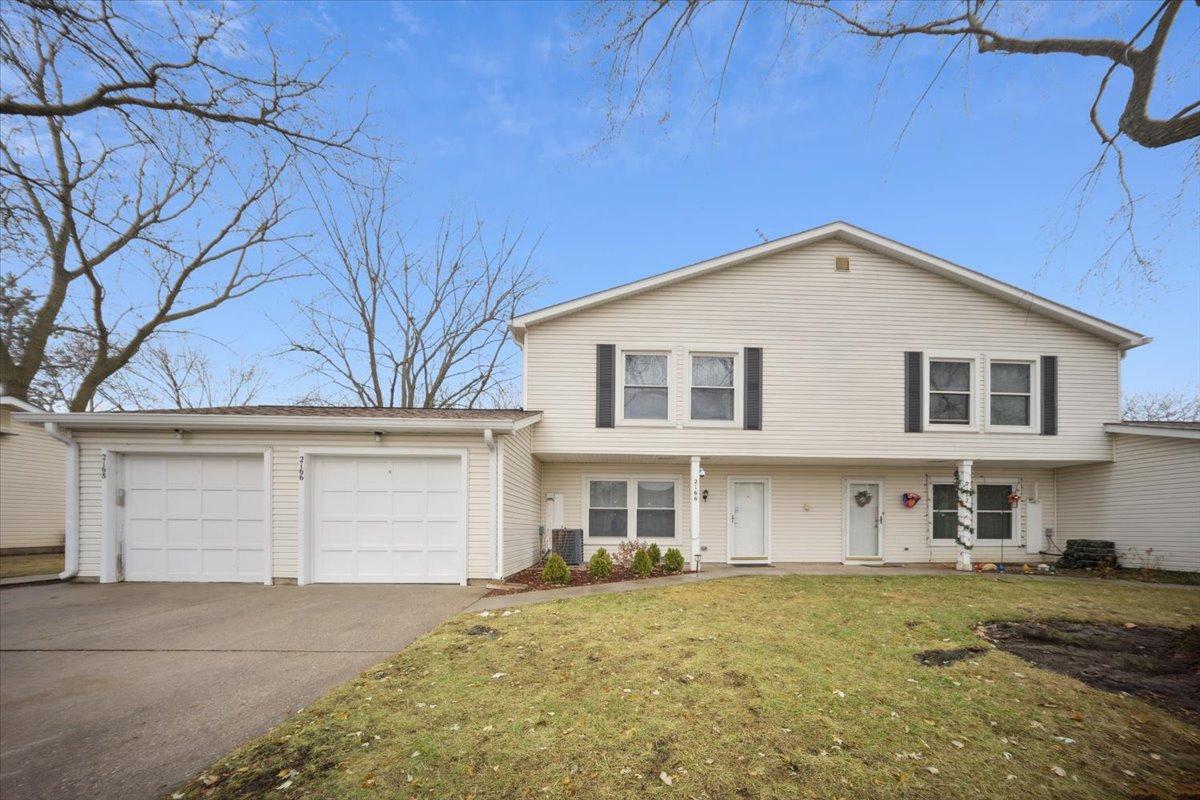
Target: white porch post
966 516
695 515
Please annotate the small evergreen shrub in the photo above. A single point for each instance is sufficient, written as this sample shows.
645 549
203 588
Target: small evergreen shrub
600 565
673 562
655 553
642 566
556 570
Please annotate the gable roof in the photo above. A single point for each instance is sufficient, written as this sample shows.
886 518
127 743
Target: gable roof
1124 338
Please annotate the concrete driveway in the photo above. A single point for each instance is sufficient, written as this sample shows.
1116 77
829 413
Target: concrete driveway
125 690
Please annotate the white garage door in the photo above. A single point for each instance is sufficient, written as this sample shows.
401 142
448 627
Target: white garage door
387 519
194 518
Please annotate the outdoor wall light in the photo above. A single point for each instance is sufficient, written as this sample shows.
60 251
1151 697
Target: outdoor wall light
378 437
704 495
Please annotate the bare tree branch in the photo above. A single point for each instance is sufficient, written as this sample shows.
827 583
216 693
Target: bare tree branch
148 159
397 327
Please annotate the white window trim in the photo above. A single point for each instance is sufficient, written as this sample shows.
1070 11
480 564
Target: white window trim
619 400
738 380
631 482
1017 539
1035 392
973 404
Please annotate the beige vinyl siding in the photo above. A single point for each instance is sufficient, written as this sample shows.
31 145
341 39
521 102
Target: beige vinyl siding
285 449
815 533
32 486
833 378
522 502
1149 496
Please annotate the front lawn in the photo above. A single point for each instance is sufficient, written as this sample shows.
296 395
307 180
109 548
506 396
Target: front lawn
20 566
749 687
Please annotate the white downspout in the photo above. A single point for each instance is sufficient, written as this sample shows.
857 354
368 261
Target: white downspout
695 515
71 513
494 491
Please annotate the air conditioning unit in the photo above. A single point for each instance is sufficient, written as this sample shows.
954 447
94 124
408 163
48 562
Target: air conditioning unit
568 543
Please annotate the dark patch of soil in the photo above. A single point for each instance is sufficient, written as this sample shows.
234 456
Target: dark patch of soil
530 579
944 658
483 630
1161 665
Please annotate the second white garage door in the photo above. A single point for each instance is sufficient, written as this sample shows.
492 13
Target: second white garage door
389 519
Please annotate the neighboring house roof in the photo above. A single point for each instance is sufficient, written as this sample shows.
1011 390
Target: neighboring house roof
1174 430
298 417
1123 337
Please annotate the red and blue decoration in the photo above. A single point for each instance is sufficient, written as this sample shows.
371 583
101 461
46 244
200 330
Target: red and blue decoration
910 499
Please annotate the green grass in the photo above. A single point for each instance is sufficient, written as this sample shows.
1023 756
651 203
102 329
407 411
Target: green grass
734 688
19 566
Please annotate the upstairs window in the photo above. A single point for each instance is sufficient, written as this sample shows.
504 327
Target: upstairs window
712 396
950 392
1011 394
646 392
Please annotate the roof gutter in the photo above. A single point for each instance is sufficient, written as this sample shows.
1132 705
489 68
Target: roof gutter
71 513
116 420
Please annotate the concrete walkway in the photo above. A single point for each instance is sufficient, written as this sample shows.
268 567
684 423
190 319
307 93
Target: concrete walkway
125 690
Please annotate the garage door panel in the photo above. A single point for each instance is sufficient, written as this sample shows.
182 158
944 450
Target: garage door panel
194 518
373 534
185 472
407 534
218 533
181 502
444 504
182 532
407 504
387 536
444 476
249 504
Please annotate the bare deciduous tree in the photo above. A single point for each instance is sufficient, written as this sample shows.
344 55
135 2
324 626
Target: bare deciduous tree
146 161
648 42
402 327
1161 407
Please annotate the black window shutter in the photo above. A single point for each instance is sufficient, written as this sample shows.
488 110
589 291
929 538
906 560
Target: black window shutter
912 392
605 355
752 413
1049 395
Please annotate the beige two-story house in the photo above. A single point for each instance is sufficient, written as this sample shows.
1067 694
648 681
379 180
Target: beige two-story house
826 397
811 399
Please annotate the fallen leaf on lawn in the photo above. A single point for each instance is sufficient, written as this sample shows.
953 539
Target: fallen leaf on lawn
1129 626
665 778
1059 771
498 675
933 770
1064 739
1142 718
1075 715
956 743
284 785
209 780
1130 773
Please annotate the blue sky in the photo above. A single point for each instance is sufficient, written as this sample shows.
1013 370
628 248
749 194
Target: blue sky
496 108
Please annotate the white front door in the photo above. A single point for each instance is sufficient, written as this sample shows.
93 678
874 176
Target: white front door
194 518
864 521
389 519
749 515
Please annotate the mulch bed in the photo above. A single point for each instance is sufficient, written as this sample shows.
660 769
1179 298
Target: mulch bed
1161 665
531 579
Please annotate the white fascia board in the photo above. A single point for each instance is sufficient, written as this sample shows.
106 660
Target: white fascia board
13 402
1134 429
112 420
1123 337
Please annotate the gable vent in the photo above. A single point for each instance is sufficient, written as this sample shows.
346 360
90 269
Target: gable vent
841 264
